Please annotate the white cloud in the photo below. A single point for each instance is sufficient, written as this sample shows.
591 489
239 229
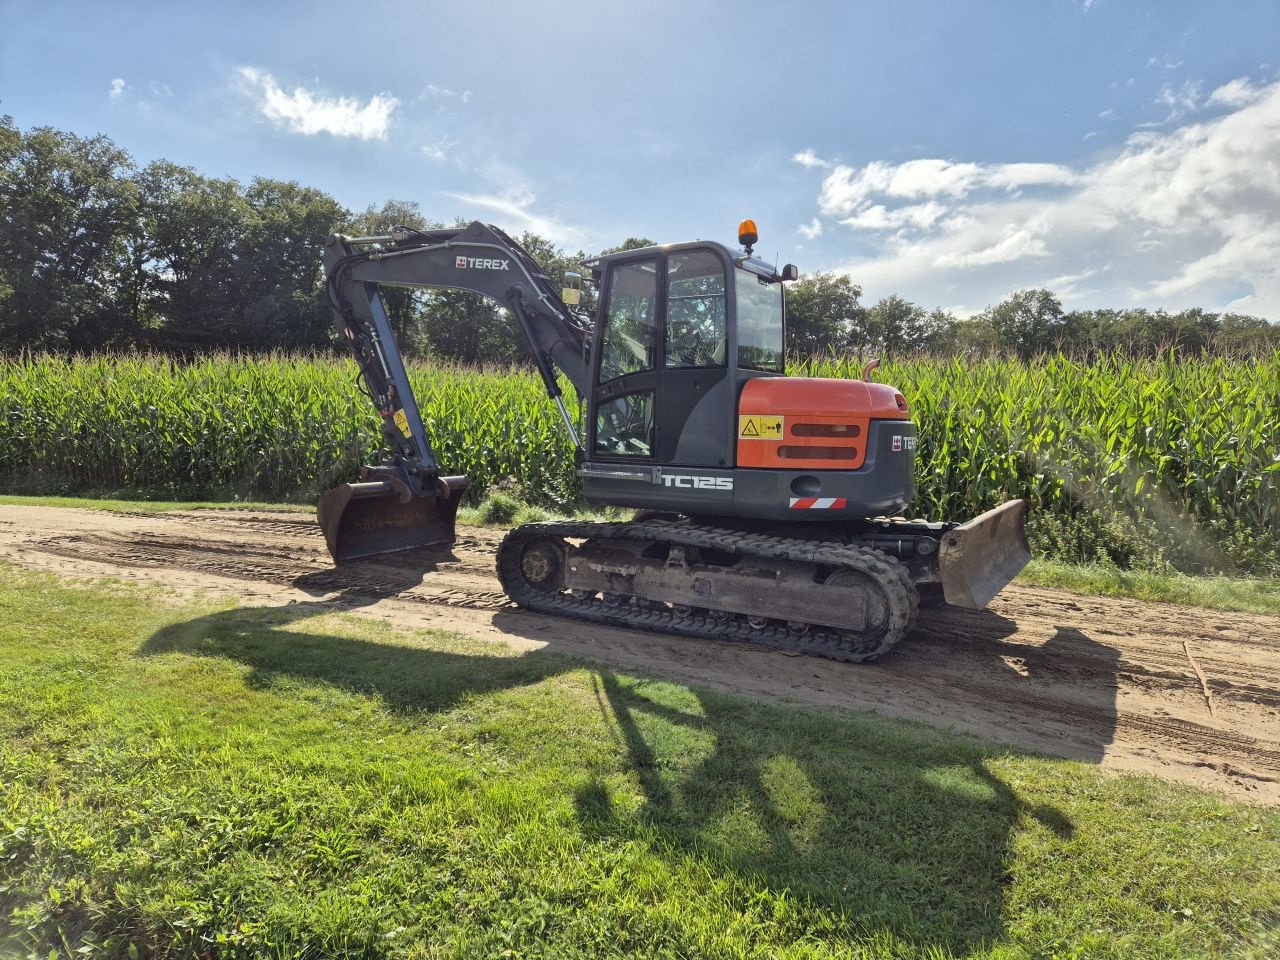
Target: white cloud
117 88
1236 93
1183 216
807 158
812 230
848 192
441 149
1177 102
514 207
1068 285
878 217
1015 245
432 92
302 111
1012 176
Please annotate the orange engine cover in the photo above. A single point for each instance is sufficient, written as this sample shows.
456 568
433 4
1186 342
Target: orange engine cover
810 423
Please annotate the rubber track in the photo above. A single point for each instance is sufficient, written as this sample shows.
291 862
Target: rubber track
818 641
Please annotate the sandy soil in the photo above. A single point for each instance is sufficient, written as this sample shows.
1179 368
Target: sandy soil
1185 693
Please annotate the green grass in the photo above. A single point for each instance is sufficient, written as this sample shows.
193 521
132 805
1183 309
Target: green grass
179 780
1260 595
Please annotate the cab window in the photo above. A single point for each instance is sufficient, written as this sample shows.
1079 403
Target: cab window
631 321
759 322
695 310
624 426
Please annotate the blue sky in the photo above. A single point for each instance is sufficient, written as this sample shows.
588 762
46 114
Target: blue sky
1120 153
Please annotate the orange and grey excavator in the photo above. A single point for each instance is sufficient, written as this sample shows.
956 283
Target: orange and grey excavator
768 507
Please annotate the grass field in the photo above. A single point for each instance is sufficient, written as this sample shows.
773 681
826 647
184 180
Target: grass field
188 779
1154 465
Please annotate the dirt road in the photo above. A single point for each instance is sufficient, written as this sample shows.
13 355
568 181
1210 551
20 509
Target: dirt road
1189 694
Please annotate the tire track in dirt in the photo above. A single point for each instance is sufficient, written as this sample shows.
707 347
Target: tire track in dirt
1101 680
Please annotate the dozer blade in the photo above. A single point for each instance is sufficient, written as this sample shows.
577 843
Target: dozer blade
368 519
977 559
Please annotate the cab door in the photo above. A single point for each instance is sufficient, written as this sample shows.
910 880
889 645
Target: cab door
695 395
622 411
663 390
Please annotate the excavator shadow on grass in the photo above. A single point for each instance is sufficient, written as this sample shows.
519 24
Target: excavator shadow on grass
877 828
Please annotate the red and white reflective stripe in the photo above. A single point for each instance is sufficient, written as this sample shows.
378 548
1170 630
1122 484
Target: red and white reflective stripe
817 503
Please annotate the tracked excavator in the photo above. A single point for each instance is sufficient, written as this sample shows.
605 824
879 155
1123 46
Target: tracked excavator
768 507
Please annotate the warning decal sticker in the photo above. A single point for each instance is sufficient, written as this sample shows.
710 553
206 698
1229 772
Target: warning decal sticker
760 428
403 423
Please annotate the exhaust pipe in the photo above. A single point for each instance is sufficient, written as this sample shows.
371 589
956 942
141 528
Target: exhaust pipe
978 559
384 516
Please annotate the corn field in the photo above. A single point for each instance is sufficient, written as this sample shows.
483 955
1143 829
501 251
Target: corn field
1162 464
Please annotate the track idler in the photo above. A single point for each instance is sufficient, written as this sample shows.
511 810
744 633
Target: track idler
385 515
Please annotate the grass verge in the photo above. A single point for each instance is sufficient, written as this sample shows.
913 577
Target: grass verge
1218 593
187 780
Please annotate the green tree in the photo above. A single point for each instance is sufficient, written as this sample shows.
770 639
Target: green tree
190 241
283 302
973 337
1090 331
631 243
823 314
1241 334
939 333
68 206
896 326
1027 322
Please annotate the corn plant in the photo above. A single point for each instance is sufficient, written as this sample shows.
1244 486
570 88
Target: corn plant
1172 461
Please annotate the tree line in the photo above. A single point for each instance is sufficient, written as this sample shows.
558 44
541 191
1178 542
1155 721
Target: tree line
97 253
824 314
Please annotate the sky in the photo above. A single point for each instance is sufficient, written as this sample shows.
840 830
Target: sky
1122 154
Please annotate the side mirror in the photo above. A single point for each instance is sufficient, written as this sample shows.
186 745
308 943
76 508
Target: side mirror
789 272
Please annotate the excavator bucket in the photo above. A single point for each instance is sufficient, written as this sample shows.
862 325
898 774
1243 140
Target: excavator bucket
978 559
368 519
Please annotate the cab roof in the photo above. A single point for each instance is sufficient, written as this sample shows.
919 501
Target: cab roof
761 268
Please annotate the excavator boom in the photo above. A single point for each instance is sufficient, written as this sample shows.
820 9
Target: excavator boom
404 501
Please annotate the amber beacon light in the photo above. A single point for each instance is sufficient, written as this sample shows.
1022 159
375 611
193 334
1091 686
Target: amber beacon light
747 235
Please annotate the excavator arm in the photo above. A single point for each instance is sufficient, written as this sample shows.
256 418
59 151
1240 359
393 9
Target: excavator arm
404 501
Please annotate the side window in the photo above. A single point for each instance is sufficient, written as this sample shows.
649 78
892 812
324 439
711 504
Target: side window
759 323
624 426
630 328
695 310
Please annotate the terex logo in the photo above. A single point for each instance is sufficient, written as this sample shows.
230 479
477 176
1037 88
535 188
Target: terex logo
480 263
697 483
